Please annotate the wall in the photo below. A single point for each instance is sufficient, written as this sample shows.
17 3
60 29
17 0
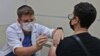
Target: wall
51 13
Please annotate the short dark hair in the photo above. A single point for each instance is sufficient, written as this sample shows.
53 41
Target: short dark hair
86 13
24 10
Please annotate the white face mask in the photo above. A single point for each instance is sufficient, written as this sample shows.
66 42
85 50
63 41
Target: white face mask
28 26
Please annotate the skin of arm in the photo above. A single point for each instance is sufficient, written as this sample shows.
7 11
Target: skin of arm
52 51
27 51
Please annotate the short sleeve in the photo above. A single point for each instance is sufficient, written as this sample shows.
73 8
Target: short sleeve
60 49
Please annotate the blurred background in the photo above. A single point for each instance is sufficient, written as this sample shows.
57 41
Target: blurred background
51 13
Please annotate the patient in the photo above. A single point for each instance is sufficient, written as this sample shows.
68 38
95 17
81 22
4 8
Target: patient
84 14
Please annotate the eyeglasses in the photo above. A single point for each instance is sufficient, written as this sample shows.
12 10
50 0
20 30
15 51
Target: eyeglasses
70 16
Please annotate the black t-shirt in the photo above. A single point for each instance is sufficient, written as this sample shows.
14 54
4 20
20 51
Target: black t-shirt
70 47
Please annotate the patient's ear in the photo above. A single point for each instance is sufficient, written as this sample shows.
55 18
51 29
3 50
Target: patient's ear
75 20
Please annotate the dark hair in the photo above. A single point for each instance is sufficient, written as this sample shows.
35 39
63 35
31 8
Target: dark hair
86 13
24 10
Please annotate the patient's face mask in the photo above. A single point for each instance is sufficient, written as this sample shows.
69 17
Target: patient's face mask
27 26
70 17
